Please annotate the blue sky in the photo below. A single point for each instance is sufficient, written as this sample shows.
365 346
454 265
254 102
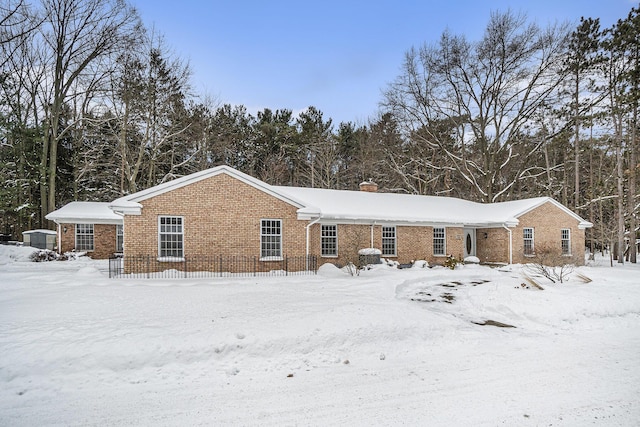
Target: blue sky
335 55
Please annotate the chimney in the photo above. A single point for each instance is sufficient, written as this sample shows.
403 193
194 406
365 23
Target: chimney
369 186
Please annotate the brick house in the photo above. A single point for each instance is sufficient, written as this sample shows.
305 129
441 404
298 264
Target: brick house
224 211
88 227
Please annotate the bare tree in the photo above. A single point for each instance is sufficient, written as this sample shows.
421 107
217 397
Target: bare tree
149 93
623 81
17 21
487 90
77 35
21 75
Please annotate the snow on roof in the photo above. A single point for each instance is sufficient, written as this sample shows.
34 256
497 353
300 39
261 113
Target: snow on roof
40 230
410 208
85 213
391 207
356 206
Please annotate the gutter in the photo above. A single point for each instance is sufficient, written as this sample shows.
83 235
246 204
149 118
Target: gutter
59 236
372 226
510 243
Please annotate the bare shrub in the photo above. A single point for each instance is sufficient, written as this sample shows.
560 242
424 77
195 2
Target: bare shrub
549 262
355 238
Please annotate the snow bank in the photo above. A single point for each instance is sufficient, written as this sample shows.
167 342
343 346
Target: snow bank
390 346
10 253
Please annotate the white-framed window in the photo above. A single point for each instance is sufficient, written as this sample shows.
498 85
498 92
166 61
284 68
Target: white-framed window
84 237
527 235
170 237
565 236
270 239
439 241
329 240
119 237
389 241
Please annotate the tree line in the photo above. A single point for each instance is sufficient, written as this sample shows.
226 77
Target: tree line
94 105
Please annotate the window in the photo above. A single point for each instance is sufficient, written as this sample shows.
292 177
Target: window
389 241
566 241
170 237
439 247
119 237
527 234
270 238
329 240
84 237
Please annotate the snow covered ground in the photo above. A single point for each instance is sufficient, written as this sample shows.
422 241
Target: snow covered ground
390 347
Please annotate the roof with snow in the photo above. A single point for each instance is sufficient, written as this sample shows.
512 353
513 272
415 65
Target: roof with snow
85 213
354 206
409 208
40 231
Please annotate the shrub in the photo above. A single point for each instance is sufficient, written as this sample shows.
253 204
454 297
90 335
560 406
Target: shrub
451 262
549 262
43 255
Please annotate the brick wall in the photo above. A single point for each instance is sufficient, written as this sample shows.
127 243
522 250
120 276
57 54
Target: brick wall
494 247
351 238
547 221
221 216
455 242
412 243
104 240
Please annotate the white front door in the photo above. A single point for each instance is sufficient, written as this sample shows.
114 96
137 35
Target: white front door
469 242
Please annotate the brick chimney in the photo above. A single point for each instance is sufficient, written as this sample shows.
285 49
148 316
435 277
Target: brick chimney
369 186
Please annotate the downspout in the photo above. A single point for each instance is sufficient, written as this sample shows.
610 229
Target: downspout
371 243
510 243
308 227
59 236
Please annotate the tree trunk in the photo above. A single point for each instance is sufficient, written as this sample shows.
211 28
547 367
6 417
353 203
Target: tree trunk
576 146
591 230
44 197
620 179
53 166
632 189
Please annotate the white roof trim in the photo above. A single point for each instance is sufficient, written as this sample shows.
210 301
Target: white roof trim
84 213
88 221
41 230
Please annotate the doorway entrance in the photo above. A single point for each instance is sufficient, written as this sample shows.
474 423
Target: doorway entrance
469 242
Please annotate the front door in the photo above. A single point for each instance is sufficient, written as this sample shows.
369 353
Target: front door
469 242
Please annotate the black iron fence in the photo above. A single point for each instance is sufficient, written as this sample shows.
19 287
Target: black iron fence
147 266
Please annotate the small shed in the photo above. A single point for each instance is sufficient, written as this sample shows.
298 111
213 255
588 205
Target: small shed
41 239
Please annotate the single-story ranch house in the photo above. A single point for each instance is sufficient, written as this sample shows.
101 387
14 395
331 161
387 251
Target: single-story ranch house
224 211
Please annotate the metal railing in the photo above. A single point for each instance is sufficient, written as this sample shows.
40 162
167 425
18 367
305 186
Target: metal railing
147 266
